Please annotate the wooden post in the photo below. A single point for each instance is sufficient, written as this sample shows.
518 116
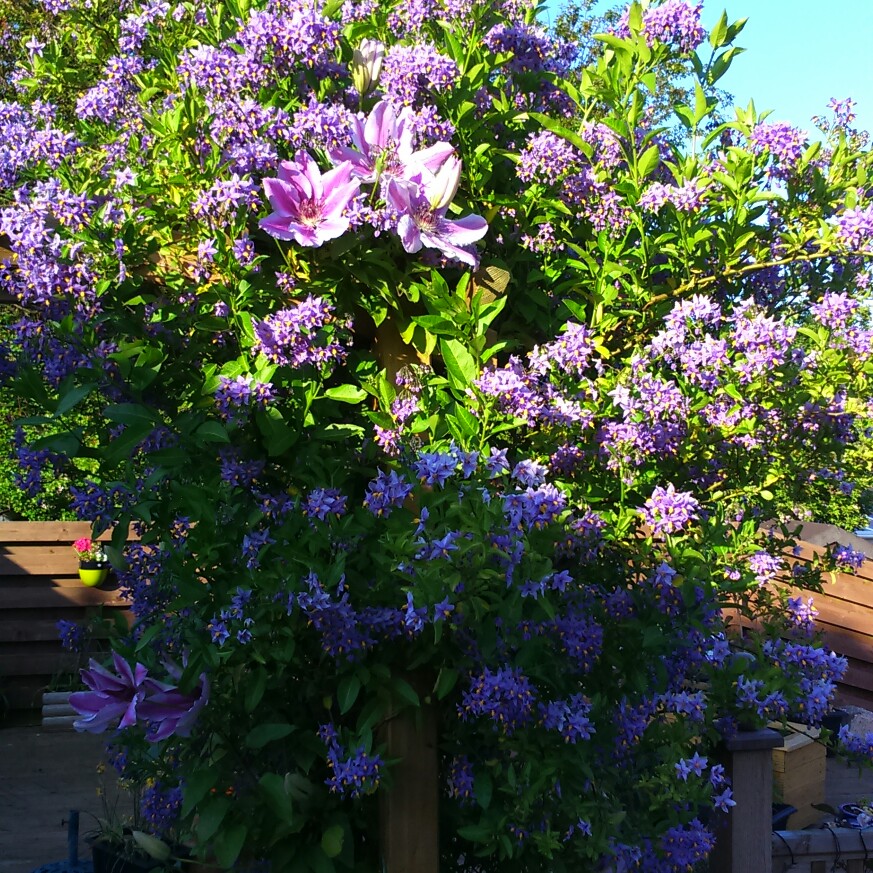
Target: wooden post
409 814
743 841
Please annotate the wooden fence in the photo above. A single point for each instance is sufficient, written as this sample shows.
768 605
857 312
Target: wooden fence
39 585
845 612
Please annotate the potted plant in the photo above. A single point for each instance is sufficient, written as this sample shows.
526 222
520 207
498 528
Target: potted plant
93 563
136 832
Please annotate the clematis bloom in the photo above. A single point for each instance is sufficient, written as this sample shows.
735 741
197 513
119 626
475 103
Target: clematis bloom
309 206
170 711
383 147
422 224
130 695
112 696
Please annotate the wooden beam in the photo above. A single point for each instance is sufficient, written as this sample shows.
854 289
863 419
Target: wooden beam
409 814
823 844
743 843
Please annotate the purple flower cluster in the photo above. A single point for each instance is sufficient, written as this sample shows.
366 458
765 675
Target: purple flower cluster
27 138
569 718
355 774
506 697
322 502
847 559
459 781
687 197
765 567
71 635
784 142
854 229
674 23
411 73
532 48
546 157
293 337
386 492
683 847
669 511
161 808
235 397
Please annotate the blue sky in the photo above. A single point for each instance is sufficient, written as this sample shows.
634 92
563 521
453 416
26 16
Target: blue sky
799 54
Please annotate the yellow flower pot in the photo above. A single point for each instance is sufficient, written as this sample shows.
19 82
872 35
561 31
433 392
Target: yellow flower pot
93 576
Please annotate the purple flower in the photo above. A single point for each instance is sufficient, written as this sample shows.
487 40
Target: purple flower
383 147
111 696
170 711
308 205
423 222
667 511
132 696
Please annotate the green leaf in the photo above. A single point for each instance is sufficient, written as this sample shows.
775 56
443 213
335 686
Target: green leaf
332 841
405 691
347 693
479 833
196 787
460 365
212 432
228 844
72 398
648 161
718 34
211 817
255 689
446 681
483 788
149 634
276 794
346 394
259 736
132 414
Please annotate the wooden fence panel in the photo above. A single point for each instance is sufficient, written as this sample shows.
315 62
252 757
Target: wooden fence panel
39 585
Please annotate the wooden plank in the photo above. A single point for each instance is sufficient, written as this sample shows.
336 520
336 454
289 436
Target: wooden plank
42 629
19 663
844 641
843 614
31 597
858 675
40 560
847 696
30 630
825 844
45 531
57 580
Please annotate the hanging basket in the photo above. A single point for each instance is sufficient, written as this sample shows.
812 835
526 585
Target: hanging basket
93 573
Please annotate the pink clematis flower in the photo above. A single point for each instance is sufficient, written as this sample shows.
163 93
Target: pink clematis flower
423 201
111 696
308 205
383 147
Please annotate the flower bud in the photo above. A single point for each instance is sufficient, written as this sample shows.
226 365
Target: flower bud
367 65
441 191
